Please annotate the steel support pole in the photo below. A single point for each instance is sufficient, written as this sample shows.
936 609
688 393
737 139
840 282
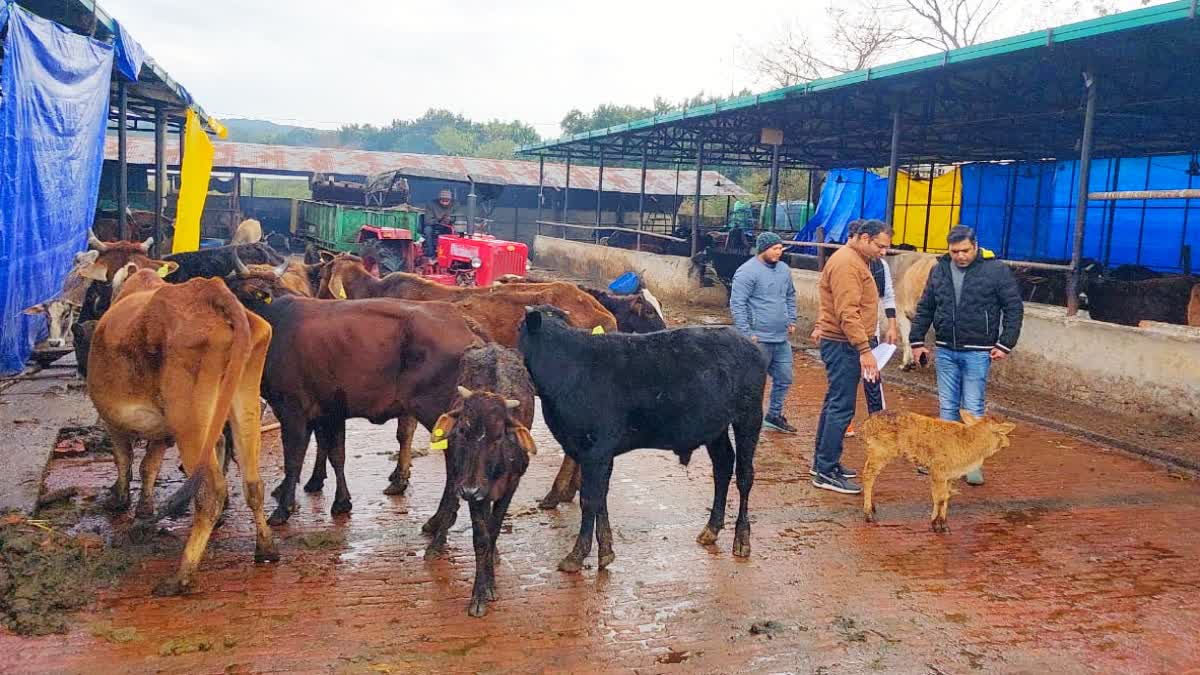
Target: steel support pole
599 188
928 208
699 204
893 169
123 161
641 203
567 193
675 202
773 190
541 185
160 174
1085 168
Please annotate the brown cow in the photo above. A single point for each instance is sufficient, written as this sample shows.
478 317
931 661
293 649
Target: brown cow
638 312
393 360
106 257
177 361
499 309
293 276
487 445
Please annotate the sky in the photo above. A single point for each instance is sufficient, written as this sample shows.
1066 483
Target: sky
324 64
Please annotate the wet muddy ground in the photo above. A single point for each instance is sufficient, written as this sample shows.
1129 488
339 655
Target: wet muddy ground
1072 558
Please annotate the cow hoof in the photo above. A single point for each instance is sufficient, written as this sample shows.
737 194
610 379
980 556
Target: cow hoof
117 503
478 607
340 507
269 555
397 487
570 565
707 537
432 525
549 503
490 593
869 516
144 510
279 517
314 485
142 531
171 587
939 526
741 544
606 559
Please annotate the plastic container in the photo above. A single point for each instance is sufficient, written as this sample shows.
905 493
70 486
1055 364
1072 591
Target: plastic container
626 284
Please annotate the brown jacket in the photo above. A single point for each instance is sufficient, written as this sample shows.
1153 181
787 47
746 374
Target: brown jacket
849 300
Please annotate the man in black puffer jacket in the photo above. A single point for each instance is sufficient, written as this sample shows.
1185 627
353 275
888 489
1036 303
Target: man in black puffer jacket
974 305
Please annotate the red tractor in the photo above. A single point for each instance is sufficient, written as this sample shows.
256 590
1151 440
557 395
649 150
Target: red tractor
476 260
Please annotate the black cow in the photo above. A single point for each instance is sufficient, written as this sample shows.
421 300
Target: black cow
219 261
604 395
1128 302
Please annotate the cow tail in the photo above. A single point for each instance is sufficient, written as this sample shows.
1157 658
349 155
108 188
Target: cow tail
224 302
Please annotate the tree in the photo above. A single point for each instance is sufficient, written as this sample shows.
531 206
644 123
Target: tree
608 114
794 57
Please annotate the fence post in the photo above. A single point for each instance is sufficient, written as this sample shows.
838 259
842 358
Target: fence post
820 249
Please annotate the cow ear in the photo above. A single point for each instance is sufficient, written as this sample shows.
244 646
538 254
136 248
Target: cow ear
523 438
967 418
36 309
165 268
533 319
86 258
441 429
1005 428
94 271
326 256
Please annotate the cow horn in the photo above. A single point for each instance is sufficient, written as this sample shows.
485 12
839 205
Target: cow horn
147 244
238 265
94 241
512 403
464 392
280 269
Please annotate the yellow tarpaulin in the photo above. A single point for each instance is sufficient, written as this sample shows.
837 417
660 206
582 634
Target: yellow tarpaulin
196 171
911 197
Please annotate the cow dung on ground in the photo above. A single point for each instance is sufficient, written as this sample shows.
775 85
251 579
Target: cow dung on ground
46 574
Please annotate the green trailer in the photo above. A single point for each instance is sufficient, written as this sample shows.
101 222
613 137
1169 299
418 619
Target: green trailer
340 227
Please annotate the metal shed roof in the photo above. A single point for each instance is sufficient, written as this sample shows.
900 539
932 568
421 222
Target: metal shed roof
297 160
1015 98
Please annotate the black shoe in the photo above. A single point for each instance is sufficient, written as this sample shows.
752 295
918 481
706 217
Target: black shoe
835 484
778 423
846 473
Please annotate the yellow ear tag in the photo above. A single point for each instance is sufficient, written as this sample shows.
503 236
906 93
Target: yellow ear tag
439 445
341 293
164 270
267 299
439 432
598 330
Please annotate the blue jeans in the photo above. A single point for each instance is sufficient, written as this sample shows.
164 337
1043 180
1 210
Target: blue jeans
843 372
962 380
779 366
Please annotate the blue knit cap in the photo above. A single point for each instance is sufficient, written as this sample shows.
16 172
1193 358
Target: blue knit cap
766 240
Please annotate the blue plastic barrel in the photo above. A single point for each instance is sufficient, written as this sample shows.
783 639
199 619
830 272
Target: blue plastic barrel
625 284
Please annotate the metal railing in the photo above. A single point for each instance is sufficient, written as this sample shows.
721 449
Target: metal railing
608 228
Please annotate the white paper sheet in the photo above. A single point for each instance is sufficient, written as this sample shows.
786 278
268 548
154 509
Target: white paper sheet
883 353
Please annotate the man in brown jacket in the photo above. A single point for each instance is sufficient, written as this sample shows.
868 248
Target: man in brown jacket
848 313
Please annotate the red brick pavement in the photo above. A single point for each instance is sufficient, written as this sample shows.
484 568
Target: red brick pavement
1071 558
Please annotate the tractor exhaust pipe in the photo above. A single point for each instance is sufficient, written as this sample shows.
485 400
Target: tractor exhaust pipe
471 207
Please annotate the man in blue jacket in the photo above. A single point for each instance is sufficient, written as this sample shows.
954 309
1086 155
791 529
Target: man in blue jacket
763 304
974 305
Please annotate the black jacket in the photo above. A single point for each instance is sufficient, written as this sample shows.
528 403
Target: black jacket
990 298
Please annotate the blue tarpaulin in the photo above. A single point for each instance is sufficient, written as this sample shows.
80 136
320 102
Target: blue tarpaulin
843 201
1026 210
130 54
52 117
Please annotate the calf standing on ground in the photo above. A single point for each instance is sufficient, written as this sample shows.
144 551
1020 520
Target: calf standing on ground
604 395
949 450
486 440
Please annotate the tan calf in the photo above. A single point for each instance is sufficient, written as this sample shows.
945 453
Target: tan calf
949 450
1194 307
177 361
